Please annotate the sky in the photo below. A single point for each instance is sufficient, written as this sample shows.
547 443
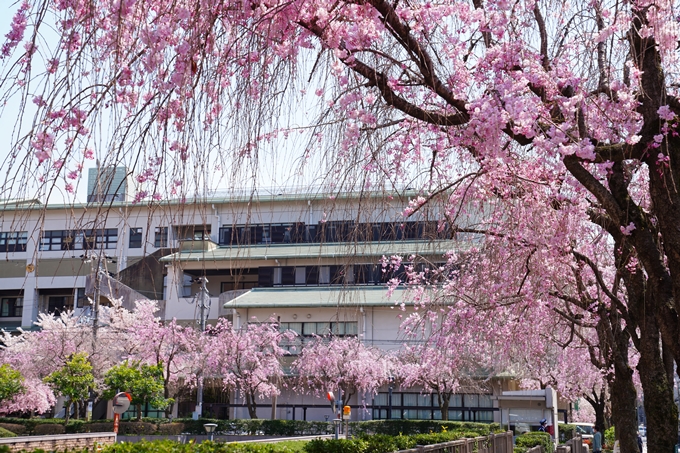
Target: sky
278 164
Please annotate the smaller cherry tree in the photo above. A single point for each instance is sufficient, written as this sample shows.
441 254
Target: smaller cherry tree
143 382
249 359
344 363
11 382
74 381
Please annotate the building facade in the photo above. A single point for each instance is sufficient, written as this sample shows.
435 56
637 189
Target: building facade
313 262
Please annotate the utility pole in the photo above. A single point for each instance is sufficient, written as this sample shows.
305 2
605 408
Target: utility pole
203 301
98 263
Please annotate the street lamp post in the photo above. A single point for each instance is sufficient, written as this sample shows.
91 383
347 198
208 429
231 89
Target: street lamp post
210 429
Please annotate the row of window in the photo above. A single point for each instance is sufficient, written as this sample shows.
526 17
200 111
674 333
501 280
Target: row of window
13 241
79 240
335 231
357 274
416 406
89 239
293 233
307 331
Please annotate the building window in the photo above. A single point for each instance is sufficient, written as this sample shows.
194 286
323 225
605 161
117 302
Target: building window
58 304
79 240
13 241
11 307
53 240
192 232
160 237
81 298
135 238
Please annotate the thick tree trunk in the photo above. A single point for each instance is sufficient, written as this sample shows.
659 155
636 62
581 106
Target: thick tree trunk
660 409
623 409
599 403
139 412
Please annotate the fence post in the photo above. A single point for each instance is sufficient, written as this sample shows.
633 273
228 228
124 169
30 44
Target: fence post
508 442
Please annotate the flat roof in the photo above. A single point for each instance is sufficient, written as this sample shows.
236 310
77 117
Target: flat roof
249 197
318 297
327 250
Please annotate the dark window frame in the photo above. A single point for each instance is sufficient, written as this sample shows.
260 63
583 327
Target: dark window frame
13 304
160 239
13 241
136 237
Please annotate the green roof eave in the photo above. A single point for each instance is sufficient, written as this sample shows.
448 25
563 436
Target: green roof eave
319 297
328 250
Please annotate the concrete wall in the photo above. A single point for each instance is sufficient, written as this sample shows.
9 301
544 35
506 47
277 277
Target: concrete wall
61 442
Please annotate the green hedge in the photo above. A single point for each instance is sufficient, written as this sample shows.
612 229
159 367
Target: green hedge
384 443
566 431
16 428
168 446
6 433
149 426
405 427
532 439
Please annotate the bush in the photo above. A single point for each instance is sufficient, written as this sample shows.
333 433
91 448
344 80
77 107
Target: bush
32 423
566 431
381 443
75 426
170 429
336 446
99 427
610 437
396 427
168 446
530 440
16 428
6 433
136 428
48 429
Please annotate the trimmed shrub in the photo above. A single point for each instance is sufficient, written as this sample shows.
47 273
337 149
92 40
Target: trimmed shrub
566 431
6 433
396 427
32 423
75 426
16 428
170 429
49 428
532 439
336 446
136 428
99 427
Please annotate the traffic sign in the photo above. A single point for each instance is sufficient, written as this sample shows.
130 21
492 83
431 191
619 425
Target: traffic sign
121 403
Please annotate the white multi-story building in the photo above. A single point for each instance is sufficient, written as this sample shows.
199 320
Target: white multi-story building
313 261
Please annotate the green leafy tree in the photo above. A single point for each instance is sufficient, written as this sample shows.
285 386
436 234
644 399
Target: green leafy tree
143 382
74 381
11 382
